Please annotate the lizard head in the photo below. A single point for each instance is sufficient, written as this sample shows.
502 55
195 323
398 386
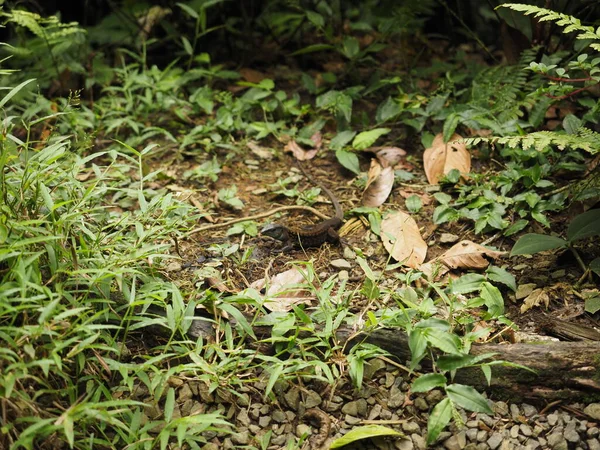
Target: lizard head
276 231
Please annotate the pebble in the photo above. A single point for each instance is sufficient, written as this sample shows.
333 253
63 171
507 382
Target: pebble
411 427
341 264
419 441
593 410
292 398
243 418
593 444
312 399
456 442
396 398
495 440
404 444
448 238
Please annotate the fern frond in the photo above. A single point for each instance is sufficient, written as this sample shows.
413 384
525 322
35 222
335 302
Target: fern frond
570 23
585 139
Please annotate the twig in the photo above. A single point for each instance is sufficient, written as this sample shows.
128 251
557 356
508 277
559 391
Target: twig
259 216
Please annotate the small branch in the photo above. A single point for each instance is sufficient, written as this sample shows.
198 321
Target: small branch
259 216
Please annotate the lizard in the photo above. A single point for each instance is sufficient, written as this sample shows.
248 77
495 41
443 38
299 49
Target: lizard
311 236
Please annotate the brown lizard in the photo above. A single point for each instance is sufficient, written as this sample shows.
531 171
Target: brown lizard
311 236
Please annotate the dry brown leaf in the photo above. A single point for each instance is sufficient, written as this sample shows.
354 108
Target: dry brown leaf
536 298
468 255
298 152
441 158
379 184
282 292
251 75
401 238
388 156
317 139
260 151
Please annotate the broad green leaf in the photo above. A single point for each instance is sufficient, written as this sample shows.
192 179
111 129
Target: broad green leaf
445 341
169 405
367 138
503 276
313 48
14 91
428 381
349 160
368 431
417 345
492 298
438 419
470 282
533 243
592 305
413 203
239 317
594 265
315 18
584 225
453 362
350 47
450 126
341 139
387 110
468 398
571 124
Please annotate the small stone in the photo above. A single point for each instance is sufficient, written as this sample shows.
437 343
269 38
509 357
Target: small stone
514 431
396 397
571 436
411 427
593 410
240 438
375 412
489 421
205 396
495 440
456 442
419 441
434 397
185 393
255 430
312 399
472 434
186 407
349 253
389 380
525 430
279 440
523 290
303 429
421 404
514 411
558 274
356 408
519 267
472 424
243 400
341 264
278 416
210 446
556 441
372 367
482 435
352 420
593 444
592 431
529 410
501 408
292 398
552 419
448 238
404 444
264 421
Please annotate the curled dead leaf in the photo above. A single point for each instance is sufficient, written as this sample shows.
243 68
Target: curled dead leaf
298 152
401 238
536 298
441 158
283 291
379 184
388 156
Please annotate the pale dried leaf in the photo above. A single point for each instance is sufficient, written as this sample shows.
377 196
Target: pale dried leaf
401 238
442 157
468 255
260 151
379 185
317 139
251 75
388 156
283 291
536 298
299 153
